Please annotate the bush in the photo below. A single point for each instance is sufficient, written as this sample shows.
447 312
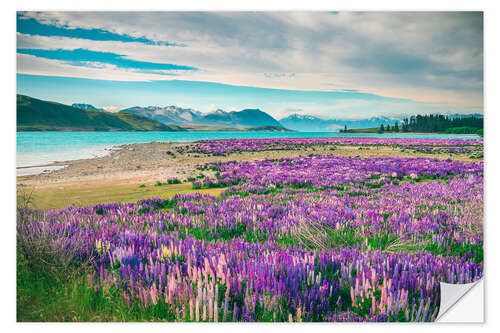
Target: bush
173 181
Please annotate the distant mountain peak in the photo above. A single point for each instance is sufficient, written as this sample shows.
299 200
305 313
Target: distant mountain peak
86 107
302 116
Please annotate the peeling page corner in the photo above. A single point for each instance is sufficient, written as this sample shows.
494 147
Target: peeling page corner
462 303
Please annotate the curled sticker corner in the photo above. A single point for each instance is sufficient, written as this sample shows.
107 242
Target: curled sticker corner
451 295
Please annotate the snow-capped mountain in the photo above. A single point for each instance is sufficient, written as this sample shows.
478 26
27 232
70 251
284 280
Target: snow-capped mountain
179 116
310 123
86 107
168 115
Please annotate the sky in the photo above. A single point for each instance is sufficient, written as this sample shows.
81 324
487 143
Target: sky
347 65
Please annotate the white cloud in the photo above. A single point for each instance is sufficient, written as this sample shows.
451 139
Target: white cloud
28 64
427 57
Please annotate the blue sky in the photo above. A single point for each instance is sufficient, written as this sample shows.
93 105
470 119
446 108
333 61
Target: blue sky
333 65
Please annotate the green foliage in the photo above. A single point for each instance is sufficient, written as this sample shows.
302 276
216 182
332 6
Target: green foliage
462 130
53 295
441 123
458 250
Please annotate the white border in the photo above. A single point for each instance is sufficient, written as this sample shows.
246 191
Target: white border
492 124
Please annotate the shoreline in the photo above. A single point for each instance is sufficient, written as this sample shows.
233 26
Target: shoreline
412 133
112 147
132 171
109 150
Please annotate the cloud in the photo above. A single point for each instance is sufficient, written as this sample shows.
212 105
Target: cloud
31 26
80 57
426 57
28 64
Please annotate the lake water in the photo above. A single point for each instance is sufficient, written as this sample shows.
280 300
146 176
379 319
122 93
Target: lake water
35 149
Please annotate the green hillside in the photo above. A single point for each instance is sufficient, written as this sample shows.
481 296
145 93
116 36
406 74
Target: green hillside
38 115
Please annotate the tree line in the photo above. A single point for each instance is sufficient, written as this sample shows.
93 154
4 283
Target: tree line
436 123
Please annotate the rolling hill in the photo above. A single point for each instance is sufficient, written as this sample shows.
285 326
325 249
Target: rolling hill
38 115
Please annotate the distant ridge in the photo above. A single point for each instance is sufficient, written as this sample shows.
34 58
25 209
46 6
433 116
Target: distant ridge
315 124
86 107
180 116
167 115
38 115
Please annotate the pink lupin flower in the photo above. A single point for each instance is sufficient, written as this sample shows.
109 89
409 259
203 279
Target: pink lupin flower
383 300
210 309
197 309
299 314
216 312
373 306
191 310
126 297
154 294
90 278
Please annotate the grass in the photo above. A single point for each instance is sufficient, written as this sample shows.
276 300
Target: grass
58 198
50 295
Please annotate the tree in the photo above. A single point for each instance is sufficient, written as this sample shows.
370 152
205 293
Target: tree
440 123
396 127
381 128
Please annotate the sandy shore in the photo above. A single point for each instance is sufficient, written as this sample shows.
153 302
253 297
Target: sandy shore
118 175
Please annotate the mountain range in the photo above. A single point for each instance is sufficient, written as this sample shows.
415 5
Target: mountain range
34 114
314 124
181 116
38 115
255 117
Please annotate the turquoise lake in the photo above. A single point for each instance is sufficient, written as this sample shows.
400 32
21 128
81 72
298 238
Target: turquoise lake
42 148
